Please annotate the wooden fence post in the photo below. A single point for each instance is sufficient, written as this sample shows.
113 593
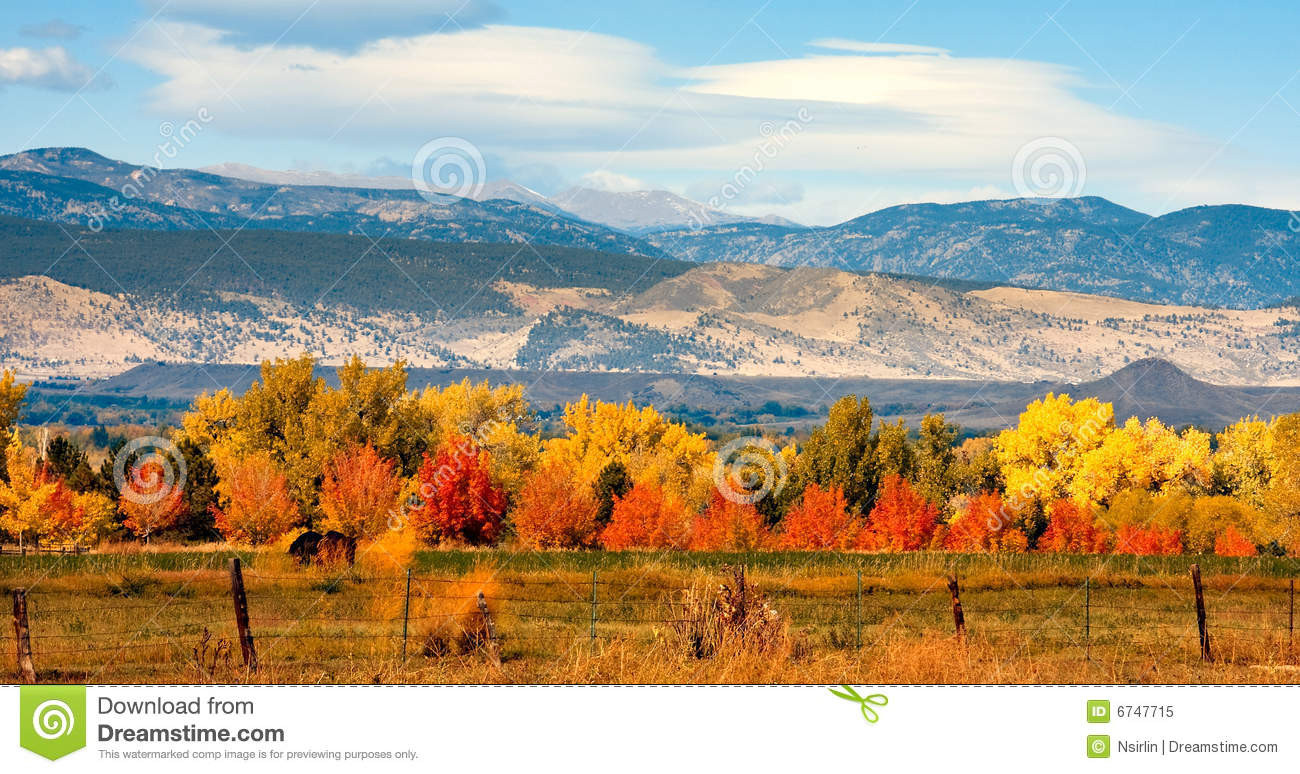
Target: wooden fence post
859 639
406 612
494 647
22 637
593 607
241 615
1201 627
958 618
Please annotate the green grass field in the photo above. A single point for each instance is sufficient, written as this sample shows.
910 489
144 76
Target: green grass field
142 617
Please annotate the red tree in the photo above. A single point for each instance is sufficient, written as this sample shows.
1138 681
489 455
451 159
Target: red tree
459 501
821 520
552 512
646 517
1233 543
729 526
1148 541
985 527
902 520
1072 529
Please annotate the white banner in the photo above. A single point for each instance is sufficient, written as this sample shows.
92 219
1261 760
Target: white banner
650 729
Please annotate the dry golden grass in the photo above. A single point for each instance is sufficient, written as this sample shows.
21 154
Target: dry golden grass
149 618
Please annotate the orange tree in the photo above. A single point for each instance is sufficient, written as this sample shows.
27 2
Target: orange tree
1072 528
552 512
902 520
150 504
985 526
820 520
647 517
729 526
359 492
258 505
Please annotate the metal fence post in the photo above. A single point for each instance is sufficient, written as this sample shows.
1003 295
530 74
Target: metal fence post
406 613
1087 617
859 640
593 607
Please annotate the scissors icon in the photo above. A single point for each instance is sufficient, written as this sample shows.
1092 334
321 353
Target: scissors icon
865 702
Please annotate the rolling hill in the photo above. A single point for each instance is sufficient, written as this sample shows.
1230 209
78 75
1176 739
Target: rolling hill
113 299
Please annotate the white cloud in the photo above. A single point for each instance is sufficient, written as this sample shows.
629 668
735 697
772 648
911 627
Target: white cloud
48 68
604 180
843 44
889 122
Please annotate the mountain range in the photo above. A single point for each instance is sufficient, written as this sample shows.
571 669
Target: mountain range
1232 256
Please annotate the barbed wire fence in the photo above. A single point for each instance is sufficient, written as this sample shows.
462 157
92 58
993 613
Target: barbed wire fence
390 618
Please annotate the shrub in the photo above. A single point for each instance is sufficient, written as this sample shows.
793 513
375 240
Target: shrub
736 616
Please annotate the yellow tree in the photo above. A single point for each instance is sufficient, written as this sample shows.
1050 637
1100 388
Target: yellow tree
1147 456
1241 462
653 449
1041 456
1282 498
36 506
24 496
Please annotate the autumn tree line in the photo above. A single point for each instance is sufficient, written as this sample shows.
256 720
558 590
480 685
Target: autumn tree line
465 465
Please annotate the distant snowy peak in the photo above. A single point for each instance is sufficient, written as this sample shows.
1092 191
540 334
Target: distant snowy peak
643 212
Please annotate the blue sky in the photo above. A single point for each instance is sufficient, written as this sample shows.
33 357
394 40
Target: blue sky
818 111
